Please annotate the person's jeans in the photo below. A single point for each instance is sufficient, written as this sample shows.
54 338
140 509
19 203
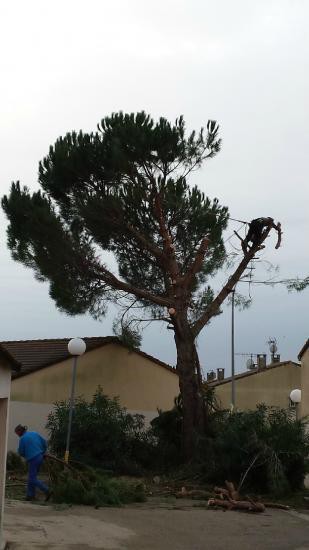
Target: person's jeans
33 469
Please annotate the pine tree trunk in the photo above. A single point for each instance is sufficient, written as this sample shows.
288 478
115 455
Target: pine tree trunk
190 387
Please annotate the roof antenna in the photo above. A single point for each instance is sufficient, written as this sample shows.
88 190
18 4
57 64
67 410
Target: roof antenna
273 348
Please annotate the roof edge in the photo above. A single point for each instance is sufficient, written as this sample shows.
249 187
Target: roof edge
15 364
109 340
241 375
303 349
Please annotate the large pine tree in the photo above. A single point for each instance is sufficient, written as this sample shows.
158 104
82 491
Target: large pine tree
124 189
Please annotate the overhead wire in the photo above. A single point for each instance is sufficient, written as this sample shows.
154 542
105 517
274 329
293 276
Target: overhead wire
240 221
238 229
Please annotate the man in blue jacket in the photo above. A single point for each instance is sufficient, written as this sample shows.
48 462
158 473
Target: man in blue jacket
32 447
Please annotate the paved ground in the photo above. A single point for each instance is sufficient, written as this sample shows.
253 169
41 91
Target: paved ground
149 527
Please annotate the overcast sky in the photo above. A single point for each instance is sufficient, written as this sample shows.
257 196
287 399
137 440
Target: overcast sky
66 64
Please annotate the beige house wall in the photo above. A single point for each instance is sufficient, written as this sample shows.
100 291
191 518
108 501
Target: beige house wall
141 384
304 405
34 415
271 386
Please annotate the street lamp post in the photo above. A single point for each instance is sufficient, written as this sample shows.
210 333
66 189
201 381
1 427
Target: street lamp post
76 347
295 397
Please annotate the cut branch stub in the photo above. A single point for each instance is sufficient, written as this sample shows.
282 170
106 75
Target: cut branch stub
250 506
279 231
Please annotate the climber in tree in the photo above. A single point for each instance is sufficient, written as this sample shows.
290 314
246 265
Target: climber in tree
257 227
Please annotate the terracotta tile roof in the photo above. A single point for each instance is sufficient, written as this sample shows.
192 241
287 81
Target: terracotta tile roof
252 373
303 349
33 355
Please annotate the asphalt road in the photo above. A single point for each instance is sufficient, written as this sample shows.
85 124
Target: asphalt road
149 527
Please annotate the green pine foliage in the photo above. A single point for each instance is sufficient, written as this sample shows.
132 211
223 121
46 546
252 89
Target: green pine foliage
122 194
298 284
128 335
98 193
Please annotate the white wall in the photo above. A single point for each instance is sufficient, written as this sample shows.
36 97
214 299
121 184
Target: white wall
5 386
5 381
3 450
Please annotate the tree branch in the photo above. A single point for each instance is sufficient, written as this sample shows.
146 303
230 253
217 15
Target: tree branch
109 278
229 286
168 246
151 319
197 262
151 247
126 311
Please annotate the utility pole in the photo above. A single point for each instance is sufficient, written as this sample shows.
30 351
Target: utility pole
233 353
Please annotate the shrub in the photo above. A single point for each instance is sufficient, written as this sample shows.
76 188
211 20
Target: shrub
103 434
167 430
14 463
264 449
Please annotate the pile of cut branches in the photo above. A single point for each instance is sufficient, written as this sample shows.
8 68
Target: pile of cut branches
80 484
230 499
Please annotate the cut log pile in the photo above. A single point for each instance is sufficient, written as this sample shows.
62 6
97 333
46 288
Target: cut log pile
229 498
